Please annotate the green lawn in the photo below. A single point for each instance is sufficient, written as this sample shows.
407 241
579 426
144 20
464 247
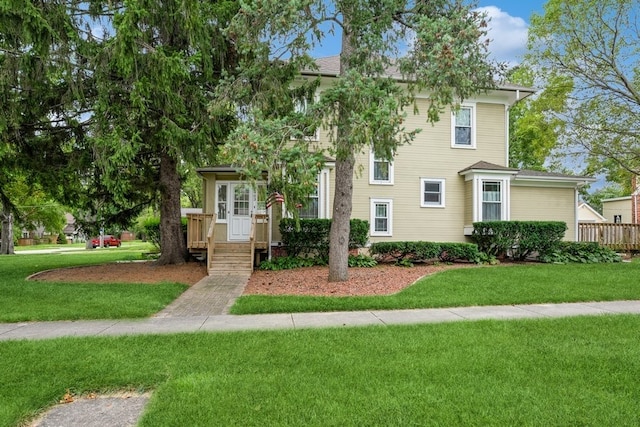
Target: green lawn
572 371
488 285
23 300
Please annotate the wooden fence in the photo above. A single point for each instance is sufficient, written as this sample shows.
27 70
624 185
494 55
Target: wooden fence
619 237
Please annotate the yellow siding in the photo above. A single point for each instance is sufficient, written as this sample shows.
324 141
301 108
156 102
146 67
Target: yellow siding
468 206
544 204
431 156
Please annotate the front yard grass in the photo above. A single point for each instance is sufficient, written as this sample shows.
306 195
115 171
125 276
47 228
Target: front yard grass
571 371
490 285
24 300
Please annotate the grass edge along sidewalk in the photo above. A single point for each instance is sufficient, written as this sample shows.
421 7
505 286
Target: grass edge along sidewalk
530 283
567 371
24 300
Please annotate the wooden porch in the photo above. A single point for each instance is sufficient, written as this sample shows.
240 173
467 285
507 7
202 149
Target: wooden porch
619 237
227 257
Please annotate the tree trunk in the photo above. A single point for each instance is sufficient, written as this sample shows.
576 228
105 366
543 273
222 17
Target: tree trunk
172 242
6 247
340 221
343 195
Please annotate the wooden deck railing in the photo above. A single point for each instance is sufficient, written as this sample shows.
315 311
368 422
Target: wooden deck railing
198 226
211 243
623 237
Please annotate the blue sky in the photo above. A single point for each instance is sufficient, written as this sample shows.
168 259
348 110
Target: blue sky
508 26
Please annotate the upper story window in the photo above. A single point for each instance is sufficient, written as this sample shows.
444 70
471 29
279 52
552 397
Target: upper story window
463 132
380 171
301 106
432 193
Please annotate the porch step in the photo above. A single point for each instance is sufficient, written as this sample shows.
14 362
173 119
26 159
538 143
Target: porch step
231 258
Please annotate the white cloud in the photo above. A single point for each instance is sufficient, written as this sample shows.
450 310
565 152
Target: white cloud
508 35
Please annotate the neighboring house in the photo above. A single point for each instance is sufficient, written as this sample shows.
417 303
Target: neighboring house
588 215
453 174
622 210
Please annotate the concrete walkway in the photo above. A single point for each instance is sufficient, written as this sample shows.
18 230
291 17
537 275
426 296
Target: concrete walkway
225 322
213 295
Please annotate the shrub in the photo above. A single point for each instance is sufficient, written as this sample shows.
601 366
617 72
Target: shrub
361 261
62 239
518 239
310 237
290 262
406 253
151 229
580 252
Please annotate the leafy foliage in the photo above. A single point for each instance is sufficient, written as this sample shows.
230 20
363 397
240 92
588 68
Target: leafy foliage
310 237
291 262
517 239
594 45
534 126
407 253
580 252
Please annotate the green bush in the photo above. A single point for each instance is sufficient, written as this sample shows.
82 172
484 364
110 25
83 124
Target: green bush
310 237
518 239
62 239
406 253
361 261
151 229
580 252
290 262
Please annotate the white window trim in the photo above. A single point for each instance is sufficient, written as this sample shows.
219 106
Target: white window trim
323 196
442 193
372 180
471 106
505 190
215 201
316 135
372 225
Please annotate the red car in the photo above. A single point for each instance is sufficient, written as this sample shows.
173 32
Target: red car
107 240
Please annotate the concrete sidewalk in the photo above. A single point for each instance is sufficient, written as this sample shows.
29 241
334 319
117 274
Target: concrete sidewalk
225 322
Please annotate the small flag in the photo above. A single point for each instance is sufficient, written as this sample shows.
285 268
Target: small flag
274 197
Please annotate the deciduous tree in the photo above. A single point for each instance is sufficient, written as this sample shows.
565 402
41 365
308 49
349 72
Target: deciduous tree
594 43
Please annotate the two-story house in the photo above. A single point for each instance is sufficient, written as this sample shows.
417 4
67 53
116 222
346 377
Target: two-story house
453 174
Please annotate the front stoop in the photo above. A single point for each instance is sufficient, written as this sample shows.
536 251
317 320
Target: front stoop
231 258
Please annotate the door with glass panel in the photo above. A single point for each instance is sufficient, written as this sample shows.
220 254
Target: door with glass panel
241 207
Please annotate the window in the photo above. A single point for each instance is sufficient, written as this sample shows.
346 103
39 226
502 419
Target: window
432 193
380 171
491 200
221 201
463 129
381 217
241 200
311 209
301 107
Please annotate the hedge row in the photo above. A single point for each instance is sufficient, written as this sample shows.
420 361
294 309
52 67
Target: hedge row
410 252
310 237
518 239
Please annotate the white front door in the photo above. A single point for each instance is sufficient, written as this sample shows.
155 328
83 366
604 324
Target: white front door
243 204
